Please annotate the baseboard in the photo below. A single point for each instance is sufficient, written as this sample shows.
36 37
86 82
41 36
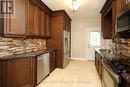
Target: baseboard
77 59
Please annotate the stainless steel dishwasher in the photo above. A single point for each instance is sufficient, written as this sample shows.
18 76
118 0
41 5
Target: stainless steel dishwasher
43 66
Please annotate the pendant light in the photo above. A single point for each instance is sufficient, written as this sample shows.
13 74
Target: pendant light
74 4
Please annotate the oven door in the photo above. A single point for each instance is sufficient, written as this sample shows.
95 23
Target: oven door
109 78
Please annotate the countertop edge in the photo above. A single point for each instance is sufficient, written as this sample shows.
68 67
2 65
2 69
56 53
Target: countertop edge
27 55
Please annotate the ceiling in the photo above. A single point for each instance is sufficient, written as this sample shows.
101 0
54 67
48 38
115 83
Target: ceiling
88 8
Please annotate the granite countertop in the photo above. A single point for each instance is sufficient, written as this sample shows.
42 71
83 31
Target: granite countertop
102 52
105 53
26 55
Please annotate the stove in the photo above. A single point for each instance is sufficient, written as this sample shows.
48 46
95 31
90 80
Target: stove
118 65
115 68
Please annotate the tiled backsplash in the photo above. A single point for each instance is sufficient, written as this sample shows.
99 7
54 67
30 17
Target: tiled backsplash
9 46
122 46
106 43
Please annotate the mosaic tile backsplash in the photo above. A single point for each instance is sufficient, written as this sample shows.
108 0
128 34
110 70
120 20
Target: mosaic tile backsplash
10 46
123 46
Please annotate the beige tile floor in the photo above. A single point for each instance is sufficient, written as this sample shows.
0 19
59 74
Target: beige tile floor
76 74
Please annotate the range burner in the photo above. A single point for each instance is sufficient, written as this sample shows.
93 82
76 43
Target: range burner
119 65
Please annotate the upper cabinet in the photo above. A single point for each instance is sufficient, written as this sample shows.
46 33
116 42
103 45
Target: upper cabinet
121 4
109 14
47 25
38 20
67 25
14 26
106 20
32 19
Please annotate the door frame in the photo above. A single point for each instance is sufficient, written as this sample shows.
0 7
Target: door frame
91 29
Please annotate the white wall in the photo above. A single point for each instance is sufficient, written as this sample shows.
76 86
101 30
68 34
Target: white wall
79 28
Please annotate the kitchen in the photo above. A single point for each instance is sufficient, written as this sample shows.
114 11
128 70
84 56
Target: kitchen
69 43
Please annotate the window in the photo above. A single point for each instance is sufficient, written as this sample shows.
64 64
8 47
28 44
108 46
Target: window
95 38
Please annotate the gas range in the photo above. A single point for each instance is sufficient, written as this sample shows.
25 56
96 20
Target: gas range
118 65
115 68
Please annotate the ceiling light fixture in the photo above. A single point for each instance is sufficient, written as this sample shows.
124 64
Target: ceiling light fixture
74 4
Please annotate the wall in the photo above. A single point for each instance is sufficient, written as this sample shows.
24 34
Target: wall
10 46
79 28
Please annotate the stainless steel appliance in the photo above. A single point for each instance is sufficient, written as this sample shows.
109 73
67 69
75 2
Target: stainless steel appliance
123 23
43 67
66 43
112 71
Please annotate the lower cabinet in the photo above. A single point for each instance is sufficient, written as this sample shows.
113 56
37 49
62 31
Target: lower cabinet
98 63
18 73
52 60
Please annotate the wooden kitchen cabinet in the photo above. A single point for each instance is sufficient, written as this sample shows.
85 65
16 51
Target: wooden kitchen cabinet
109 14
107 20
38 21
58 27
18 73
31 19
52 60
121 4
98 63
67 24
47 25
106 27
14 26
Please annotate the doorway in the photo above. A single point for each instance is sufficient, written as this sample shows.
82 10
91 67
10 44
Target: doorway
93 41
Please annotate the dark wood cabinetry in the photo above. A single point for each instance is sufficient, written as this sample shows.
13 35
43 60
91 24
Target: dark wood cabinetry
98 63
59 22
106 20
47 25
38 21
120 5
14 26
109 14
32 18
18 73
52 60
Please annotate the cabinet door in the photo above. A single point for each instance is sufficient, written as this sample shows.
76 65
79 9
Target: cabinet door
96 60
42 31
34 19
21 73
47 25
37 20
121 4
100 67
124 3
52 61
30 20
16 25
118 6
